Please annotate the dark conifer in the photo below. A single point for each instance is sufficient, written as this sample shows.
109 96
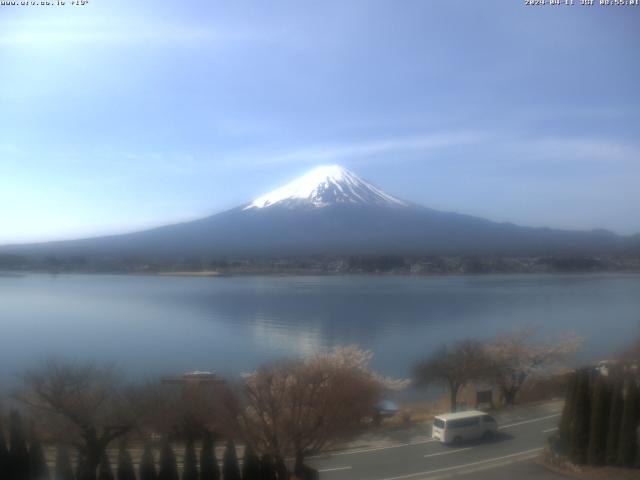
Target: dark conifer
597 451
209 469
125 469
63 470
82 472
168 467
267 468
614 424
564 427
104 470
250 464
281 469
230 469
38 469
4 454
18 452
579 428
190 461
628 433
148 465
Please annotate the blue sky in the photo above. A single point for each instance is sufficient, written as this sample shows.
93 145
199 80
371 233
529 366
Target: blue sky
121 115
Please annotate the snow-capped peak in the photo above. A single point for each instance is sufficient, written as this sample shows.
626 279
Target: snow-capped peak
324 186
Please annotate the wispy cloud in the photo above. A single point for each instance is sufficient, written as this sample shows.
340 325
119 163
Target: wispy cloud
356 150
587 149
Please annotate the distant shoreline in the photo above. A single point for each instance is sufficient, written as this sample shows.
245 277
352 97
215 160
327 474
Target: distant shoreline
427 265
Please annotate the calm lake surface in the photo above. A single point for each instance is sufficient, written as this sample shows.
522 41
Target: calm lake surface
156 325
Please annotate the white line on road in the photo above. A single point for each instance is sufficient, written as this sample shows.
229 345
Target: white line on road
455 467
530 421
334 469
374 449
550 430
447 453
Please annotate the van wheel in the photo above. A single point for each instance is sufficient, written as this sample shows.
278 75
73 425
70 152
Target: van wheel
487 435
457 440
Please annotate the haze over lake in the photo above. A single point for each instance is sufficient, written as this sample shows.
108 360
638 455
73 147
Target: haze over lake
154 325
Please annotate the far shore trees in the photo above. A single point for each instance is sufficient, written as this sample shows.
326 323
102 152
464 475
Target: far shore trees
295 408
454 367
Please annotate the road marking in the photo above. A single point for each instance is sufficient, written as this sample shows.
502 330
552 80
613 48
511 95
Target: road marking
374 449
447 453
455 467
550 430
530 421
334 469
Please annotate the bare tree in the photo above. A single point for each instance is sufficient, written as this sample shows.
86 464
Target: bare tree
453 367
79 405
297 408
514 359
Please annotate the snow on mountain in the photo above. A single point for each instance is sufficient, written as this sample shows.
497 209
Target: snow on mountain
324 186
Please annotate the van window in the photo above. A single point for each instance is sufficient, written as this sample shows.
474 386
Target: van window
438 422
489 419
463 422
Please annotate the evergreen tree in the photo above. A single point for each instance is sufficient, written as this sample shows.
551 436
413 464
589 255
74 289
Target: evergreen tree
209 469
281 469
614 424
597 452
18 452
267 468
4 454
168 467
63 470
628 433
38 469
190 468
82 472
125 469
148 465
250 465
230 469
579 427
104 470
564 427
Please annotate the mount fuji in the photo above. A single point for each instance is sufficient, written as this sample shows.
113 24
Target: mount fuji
332 211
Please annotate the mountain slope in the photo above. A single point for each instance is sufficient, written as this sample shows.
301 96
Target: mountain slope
331 211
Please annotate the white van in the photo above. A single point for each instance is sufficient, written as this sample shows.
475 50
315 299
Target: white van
459 426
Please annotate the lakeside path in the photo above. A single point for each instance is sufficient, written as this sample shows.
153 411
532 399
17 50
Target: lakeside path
522 435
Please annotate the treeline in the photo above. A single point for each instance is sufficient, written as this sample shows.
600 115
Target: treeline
25 460
426 264
600 420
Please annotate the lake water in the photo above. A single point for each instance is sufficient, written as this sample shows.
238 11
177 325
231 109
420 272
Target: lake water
155 325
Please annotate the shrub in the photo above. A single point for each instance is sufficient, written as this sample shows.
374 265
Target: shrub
230 469
597 451
148 465
209 469
628 434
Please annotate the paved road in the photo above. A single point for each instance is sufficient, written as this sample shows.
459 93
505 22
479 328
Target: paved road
520 439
